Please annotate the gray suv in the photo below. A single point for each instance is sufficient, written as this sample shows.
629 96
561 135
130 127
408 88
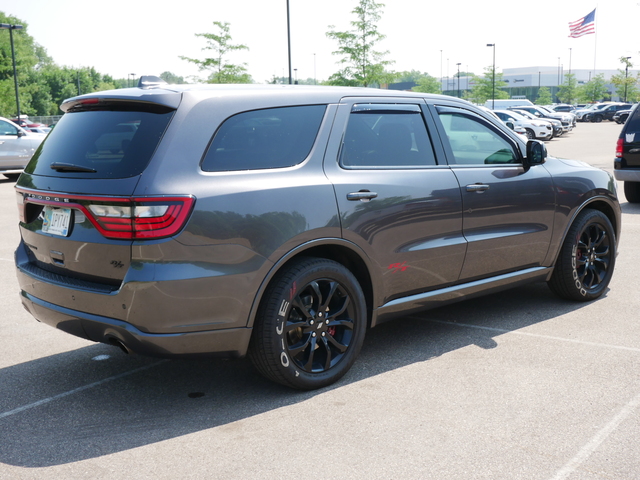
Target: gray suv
281 222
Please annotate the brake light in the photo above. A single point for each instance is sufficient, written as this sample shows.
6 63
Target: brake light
619 148
118 217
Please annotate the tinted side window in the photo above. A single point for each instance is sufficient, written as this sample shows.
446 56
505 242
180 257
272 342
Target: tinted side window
389 136
473 141
269 138
7 129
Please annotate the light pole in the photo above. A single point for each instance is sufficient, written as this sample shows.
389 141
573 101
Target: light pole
289 41
493 94
315 79
11 28
458 64
626 74
296 71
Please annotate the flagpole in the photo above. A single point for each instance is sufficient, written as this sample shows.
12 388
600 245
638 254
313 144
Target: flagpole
595 42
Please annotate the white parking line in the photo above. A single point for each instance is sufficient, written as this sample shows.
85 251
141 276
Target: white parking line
76 390
527 334
595 442
607 430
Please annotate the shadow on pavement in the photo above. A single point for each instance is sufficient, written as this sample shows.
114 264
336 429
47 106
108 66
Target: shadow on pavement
167 399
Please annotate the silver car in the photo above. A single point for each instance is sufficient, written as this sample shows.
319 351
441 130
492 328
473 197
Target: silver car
17 146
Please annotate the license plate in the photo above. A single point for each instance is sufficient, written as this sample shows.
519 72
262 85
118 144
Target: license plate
56 221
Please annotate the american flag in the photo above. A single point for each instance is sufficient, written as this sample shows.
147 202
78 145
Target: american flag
584 26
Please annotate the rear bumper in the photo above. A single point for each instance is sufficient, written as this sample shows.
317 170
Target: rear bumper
627 175
225 343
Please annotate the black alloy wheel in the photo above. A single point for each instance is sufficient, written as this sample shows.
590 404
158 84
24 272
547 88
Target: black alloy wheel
586 261
310 326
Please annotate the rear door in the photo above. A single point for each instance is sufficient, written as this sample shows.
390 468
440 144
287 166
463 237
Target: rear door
507 209
74 197
397 198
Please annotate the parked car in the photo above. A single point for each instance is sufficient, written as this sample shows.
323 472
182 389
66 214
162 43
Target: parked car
563 107
626 166
542 113
283 221
621 116
540 129
555 124
17 146
581 112
605 112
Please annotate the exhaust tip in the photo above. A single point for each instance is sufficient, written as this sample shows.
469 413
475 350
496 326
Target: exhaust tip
116 342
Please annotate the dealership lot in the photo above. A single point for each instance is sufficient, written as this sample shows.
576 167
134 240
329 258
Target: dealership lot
515 385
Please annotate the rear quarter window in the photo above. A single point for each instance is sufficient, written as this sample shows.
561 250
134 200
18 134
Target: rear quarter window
261 139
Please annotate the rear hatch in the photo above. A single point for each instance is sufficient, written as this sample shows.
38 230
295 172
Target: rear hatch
629 142
78 217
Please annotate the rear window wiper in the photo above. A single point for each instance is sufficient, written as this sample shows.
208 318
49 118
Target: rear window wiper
70 167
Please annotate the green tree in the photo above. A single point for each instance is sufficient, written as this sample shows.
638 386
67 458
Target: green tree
428 84
544 96
594 90
568 91
626 85
220 44
363 65
172 78
30 57
482 87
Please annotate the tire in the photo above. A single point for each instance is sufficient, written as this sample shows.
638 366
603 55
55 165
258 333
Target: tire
587 258
597 119
310 325
530 134
12 176
632 191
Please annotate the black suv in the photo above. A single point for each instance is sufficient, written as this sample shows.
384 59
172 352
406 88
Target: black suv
606 112
627 162
283 221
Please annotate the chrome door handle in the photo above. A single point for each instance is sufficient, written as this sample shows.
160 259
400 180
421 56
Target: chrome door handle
477 187
364 196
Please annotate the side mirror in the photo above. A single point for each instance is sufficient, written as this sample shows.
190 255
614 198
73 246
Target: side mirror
21 133
511 125
536 153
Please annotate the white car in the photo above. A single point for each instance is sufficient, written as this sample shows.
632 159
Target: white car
17 146
539 129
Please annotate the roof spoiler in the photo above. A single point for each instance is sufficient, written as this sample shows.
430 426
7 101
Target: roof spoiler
147 81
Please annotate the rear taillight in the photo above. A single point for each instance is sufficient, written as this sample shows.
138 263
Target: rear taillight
142 218
619 148
117 217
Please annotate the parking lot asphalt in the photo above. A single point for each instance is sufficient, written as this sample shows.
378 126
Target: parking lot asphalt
516 385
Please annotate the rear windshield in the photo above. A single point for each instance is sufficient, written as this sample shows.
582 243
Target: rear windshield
101 144
633 122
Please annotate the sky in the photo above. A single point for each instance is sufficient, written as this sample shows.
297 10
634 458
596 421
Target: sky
124 37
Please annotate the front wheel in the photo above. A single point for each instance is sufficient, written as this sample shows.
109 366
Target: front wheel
597 119
632 191
530 134
310 325
585 264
